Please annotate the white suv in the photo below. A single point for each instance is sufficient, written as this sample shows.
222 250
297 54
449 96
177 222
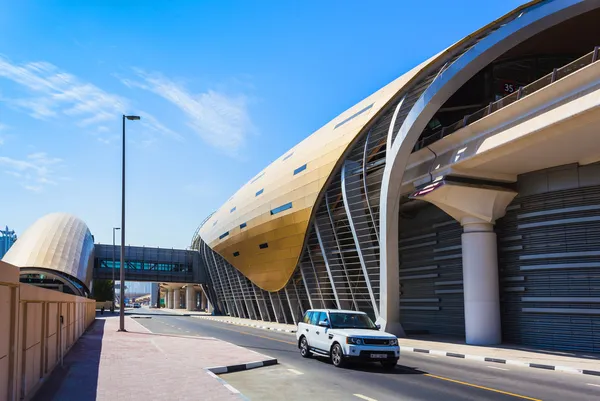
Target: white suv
345 336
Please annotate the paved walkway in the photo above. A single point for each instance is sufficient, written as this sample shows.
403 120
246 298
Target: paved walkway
571 362
138 365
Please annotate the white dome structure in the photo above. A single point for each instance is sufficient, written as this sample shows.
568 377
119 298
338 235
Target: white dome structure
58 244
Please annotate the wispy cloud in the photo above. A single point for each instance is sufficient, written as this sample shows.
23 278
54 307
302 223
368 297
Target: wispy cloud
53 93
222 120
35 172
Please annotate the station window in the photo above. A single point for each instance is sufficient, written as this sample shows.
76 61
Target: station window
215 223
288 156
300 169
224 235
236 253
263 246
259 192
232 210
243 225
281 208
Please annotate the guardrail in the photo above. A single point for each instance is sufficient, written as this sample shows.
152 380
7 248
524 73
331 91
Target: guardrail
555 75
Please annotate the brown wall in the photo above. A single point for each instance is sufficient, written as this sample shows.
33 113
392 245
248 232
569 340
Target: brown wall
32 338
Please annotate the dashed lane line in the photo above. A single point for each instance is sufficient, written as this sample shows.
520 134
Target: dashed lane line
496 367
482 387
256 335
296 371
364 397
595 385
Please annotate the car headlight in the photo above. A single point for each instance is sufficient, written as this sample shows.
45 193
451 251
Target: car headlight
394 341
354 340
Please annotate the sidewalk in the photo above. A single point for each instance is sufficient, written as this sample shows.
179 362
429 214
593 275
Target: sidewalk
563 361
138 365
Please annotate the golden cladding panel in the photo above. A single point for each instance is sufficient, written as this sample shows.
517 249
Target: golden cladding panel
271 268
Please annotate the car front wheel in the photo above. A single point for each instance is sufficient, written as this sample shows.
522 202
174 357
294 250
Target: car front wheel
304 351
337 356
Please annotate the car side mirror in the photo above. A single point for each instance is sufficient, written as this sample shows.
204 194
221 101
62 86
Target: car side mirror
323 323
378 326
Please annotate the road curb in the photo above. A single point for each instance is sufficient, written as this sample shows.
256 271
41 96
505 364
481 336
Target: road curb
241 367
481 358
258 326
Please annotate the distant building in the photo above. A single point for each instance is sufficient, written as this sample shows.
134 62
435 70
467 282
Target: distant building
7 239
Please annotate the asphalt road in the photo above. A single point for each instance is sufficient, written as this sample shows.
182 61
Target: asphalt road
417 377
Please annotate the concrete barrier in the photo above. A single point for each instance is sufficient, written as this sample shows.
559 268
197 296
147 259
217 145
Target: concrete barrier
37 328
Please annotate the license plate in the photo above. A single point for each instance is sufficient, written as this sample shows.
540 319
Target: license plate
379 356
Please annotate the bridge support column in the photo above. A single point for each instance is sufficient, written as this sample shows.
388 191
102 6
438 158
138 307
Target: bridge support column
190 302
177 298
169 300
476 208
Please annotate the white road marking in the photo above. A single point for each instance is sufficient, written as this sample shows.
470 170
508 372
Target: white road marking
232 389
431 356
364 397
296 371
495 367
595 385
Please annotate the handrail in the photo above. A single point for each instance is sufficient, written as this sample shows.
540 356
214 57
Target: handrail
523 91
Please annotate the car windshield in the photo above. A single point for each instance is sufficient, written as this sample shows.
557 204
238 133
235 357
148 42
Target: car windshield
351 321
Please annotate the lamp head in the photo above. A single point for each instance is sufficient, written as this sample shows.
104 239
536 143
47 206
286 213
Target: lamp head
132 117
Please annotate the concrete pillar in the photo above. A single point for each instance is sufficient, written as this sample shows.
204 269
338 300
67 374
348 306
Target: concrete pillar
476 208
481 283
169 298
203 300
177 298
190 293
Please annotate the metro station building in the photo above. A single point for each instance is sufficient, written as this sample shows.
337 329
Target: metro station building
462 199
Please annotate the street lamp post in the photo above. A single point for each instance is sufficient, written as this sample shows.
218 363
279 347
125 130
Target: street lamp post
122 266
113 268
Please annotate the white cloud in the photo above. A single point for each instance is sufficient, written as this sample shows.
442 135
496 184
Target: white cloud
35 172
221 120
52 93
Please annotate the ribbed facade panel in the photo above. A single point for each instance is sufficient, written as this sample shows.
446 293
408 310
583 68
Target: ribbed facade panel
549 260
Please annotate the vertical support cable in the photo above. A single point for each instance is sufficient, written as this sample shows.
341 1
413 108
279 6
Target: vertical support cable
262 317
364 165
356 240
310 302
316 277
337 300
236 309
337 242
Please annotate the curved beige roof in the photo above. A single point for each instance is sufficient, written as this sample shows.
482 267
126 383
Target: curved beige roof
57 241
271 267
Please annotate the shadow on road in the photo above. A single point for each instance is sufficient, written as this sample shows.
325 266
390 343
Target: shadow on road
79 373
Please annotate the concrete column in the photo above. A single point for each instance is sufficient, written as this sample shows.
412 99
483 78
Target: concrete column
177 299
169 300
202 300
191 297
481 283
476 208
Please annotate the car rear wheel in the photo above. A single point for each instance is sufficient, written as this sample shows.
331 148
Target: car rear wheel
389 364
337 356
304 351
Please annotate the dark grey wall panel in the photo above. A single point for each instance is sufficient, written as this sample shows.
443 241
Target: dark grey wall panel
431 298
549 261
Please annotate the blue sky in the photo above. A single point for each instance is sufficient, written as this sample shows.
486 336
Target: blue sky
223 88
